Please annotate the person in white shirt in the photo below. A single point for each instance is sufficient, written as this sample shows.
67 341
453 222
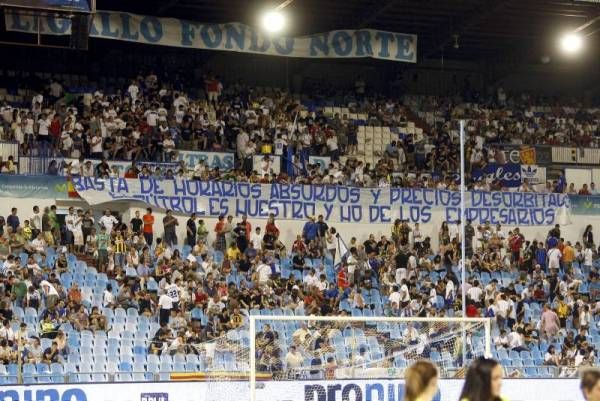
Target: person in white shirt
395 296
450 292
515 340
50 293
35 222
310 279
108 221
242 140
279 144
588 260
501 310
96 146
411 334
475 293
404 294
490 291
39 244
7 333
56 89
168 148
256 238
332 146
43 127
501 340
554 256
133 91
293 360
69 223
151 117
78 231
165 303
264 273
88 169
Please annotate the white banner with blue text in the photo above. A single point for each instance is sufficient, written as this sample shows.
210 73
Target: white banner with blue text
335 203
234 37
309 390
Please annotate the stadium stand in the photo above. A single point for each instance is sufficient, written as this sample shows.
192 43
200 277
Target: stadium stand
93 301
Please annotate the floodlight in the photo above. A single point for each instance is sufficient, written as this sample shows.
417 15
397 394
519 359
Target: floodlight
571 43
273 21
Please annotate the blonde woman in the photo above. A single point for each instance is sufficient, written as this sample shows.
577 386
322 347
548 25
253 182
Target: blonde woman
421 381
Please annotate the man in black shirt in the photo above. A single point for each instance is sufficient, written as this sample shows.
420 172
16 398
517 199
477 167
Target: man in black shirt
322 229
401 260
136 223
298 261
239 232
191 230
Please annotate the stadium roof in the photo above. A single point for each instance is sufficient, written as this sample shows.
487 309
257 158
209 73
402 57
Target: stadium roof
483 29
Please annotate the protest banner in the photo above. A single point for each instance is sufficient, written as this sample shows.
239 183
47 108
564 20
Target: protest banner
335 203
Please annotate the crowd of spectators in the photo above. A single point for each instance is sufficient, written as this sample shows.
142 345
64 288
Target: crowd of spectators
148 120
541 294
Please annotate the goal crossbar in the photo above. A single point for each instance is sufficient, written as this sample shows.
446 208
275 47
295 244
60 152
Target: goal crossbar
253 319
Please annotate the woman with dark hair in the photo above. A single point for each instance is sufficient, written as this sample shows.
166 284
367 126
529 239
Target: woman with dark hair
590 385
588 236
483 381
421 381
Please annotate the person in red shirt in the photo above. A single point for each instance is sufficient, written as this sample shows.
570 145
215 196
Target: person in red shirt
220 242
148 220
299 245
516 242
55 128
271 228
472 310
342 278
130 173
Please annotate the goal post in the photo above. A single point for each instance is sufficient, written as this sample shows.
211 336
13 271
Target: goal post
300 348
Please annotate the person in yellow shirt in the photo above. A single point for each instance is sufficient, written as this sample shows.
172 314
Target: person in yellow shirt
568 255
27 231
421 381
563 311
483 381
233 252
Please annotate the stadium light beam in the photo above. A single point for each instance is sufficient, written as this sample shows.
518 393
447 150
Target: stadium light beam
273 21
571 43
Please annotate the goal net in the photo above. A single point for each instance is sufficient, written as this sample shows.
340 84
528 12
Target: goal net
291 355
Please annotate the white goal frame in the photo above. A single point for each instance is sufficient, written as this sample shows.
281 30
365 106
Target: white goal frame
270 318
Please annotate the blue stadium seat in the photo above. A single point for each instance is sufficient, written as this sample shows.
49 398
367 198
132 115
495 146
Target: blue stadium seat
29 372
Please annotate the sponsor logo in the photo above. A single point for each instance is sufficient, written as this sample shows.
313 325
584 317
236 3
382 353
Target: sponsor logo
357 392
154 397
73 394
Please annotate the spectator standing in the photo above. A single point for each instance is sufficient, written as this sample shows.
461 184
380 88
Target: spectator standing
310 230
136 223
35 221
191 230
108 221
103 240
12 220
549 323
148 220
169 225
165 304
220 242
